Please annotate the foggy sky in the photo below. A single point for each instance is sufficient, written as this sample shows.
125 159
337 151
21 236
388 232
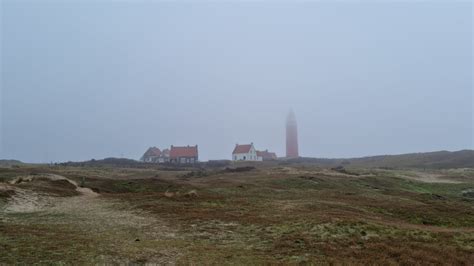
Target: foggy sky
84 80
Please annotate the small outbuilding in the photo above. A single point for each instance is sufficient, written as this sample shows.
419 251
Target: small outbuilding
266 155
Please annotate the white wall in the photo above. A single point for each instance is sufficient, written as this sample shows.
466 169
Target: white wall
250 156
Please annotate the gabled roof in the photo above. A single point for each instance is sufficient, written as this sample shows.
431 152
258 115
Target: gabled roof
267 155
242 148
186 151
153 151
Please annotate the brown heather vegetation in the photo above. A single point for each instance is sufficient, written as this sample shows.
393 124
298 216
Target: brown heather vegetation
272 213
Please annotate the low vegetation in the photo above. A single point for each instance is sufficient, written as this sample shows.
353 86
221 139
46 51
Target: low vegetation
273 213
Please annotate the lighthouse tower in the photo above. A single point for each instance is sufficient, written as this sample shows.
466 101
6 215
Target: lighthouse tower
291 136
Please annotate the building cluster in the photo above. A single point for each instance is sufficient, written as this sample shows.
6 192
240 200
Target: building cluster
189 154
247 152
176 154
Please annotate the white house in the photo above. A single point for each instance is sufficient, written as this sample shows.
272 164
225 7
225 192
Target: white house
245 152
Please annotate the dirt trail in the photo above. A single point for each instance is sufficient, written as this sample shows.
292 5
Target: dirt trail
431 178
25 200
86 192
111 219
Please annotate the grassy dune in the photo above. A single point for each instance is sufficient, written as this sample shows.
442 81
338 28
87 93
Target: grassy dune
270 214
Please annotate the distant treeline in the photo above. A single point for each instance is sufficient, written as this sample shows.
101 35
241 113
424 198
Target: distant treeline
129 163
428 160
10 162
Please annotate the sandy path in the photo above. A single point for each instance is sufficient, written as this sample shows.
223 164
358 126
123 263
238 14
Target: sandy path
25 201
431 178
119 226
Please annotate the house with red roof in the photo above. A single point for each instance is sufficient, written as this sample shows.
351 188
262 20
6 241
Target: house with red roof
184 155
245 152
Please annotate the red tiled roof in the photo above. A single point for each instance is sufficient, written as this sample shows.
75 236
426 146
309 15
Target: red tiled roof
189 151
242 148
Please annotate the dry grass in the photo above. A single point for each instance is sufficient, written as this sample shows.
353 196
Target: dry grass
268 215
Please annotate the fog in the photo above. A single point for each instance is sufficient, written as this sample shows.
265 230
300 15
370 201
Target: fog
84 80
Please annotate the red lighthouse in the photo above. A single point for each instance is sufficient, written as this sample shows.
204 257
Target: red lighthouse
291 136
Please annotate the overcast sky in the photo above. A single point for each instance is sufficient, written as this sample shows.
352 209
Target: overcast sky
84 80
